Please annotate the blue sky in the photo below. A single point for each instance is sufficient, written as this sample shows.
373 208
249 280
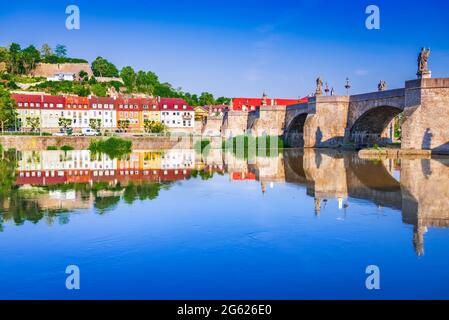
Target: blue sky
241 48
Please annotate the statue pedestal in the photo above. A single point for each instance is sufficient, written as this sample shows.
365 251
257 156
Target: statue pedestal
424 75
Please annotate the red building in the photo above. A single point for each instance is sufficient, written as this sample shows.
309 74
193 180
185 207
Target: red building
251 104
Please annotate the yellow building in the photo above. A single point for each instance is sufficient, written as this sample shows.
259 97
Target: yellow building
150 111
201 113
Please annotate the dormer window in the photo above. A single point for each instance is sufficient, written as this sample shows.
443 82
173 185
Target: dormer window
176 106
184 107
165 106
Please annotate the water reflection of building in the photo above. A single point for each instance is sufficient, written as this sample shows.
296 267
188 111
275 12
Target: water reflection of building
80 166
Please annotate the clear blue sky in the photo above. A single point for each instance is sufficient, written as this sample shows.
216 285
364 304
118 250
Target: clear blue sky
240 48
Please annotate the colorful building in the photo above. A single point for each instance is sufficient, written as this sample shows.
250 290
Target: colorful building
150 110
176 114
47 111
77 110
130 109
104 109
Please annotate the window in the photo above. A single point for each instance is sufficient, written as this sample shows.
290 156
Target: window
45 105
100 106
165 106
184 107
176 106
94 106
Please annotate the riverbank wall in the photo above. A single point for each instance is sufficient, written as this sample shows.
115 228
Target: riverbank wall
31 143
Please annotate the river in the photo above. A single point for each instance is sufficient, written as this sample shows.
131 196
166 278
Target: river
174 224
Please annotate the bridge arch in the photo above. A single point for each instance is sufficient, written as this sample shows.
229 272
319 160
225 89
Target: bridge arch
371 126
294 132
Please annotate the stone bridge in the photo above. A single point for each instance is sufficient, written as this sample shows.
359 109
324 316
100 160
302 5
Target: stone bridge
334 121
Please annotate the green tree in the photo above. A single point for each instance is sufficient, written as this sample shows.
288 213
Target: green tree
61 50
151 126
8 112
46 51
103 68
128 76
206 99
65 125
95 124
30 57
99 90
34 123
143 83
123 125
15 58
83 75
223 100
4 54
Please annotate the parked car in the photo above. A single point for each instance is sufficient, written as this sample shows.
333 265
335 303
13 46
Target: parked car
89 132
60 134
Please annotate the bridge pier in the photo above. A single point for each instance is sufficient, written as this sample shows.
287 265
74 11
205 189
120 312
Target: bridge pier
426 125
326 123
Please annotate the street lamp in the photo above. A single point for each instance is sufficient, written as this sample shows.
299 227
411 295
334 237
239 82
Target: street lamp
347 86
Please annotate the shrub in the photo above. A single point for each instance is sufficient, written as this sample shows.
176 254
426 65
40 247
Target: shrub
200 146
113 147
51 148
67 148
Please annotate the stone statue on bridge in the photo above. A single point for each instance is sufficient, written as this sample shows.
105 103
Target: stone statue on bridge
423 63
382 86
319 87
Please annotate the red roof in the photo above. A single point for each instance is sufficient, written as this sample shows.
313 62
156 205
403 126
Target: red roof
170 104
27 98
102 100
238 103
38 99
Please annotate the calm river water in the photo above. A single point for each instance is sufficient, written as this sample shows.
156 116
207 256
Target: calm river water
177 225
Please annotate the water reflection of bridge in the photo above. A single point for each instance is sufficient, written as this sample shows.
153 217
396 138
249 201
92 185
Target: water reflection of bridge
421 193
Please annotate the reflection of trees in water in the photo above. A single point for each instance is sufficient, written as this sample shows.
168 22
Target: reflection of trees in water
20 205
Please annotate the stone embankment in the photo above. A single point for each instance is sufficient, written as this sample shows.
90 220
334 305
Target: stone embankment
393 153
31 143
